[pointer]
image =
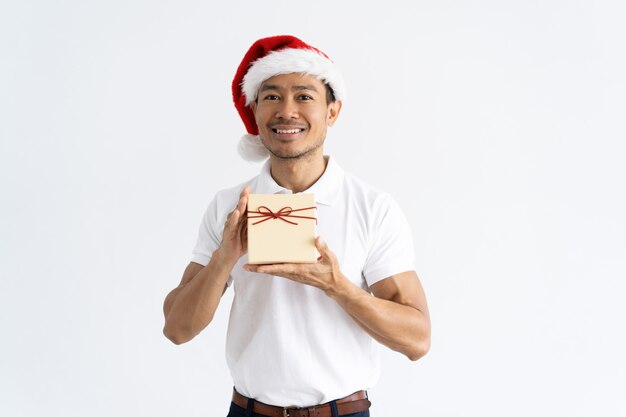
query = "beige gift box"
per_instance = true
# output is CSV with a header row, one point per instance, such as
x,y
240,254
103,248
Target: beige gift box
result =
x,y
281,228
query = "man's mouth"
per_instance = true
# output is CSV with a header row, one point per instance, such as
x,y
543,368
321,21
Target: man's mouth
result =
x,y
287,131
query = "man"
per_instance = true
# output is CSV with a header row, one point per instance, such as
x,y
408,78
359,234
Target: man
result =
x,y
302,338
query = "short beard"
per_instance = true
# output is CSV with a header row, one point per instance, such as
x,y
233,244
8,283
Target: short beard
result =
x,y
304,154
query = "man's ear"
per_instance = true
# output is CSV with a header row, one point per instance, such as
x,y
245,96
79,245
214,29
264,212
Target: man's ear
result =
x,y
253,106
333,112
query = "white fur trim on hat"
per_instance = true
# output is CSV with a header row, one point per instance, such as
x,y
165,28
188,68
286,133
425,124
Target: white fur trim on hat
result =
x,y
286,61
252,149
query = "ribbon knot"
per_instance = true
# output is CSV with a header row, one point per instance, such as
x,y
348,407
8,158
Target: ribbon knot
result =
x,y
266,213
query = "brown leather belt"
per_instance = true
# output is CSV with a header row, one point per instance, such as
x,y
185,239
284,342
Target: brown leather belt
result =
x,y
354,403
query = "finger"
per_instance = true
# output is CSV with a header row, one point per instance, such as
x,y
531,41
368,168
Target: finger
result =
x,y
322,247
279,269
243,235
265,269
233,219
243,199
325,253
270,270
243,229
241,203
240,206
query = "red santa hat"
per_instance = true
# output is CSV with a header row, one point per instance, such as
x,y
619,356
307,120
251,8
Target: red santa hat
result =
x,y
266,58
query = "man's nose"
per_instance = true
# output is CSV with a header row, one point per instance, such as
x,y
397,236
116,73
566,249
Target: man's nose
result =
x,y
287,109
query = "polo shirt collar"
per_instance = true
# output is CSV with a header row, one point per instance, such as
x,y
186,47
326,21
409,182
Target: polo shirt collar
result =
x,y
326,188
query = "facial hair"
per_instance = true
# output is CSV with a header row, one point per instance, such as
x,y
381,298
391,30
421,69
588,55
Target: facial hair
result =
x,y
302,154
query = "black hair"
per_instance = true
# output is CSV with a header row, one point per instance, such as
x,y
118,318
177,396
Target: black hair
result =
x,y
330,94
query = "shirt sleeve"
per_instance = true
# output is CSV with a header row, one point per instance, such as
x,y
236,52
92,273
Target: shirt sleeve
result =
x,y
391,244
209,237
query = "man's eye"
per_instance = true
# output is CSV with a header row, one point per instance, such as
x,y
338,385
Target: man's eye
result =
x,y
270,97
305,97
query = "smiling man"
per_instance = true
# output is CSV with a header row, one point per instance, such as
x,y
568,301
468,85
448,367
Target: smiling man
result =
x,y
296,128
303,339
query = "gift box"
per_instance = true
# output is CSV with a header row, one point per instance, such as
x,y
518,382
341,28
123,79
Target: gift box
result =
x,y
281,228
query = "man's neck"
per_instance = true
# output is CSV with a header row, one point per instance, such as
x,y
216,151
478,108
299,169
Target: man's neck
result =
x,y
297,174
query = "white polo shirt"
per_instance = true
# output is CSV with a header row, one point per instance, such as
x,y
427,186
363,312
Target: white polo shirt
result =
x,y
288,344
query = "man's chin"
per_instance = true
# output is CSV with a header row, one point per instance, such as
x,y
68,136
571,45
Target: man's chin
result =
x,y
289,155
292,153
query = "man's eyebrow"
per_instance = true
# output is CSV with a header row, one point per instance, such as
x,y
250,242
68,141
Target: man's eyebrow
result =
x,y
266,87
304,87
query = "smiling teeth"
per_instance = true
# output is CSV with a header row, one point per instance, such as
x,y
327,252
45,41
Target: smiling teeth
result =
x,y
289,131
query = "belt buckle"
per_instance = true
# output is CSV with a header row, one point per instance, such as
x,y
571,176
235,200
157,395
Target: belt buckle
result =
x,y
310,411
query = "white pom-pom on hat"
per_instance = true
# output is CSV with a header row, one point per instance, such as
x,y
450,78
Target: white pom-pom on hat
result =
x,y
250,148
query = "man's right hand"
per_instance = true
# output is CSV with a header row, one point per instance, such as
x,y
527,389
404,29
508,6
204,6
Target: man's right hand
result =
x,y
235,237
190,307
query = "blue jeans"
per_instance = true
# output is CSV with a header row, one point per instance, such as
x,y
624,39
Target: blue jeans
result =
x,y
236,411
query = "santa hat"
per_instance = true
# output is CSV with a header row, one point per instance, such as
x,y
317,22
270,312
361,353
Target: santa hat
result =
x,y
266,58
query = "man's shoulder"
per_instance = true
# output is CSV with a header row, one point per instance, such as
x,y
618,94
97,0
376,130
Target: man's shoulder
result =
x,y
357,183
226,198
363,192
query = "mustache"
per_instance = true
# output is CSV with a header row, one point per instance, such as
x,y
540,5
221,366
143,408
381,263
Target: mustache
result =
x,y
288,123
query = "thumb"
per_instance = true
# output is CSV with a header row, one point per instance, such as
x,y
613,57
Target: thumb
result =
x,y
322,248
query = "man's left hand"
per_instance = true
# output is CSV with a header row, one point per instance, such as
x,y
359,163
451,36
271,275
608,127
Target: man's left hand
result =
x,y
324,274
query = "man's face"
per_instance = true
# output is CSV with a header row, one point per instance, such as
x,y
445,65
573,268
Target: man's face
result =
x,y
292,115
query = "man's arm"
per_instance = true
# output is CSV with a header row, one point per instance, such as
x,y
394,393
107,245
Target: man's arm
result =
x,y
190,307
396,315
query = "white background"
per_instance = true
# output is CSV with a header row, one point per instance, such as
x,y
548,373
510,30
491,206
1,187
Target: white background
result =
x,y
497,125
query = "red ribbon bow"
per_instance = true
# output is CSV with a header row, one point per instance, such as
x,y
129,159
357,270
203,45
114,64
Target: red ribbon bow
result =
x,y
266,214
